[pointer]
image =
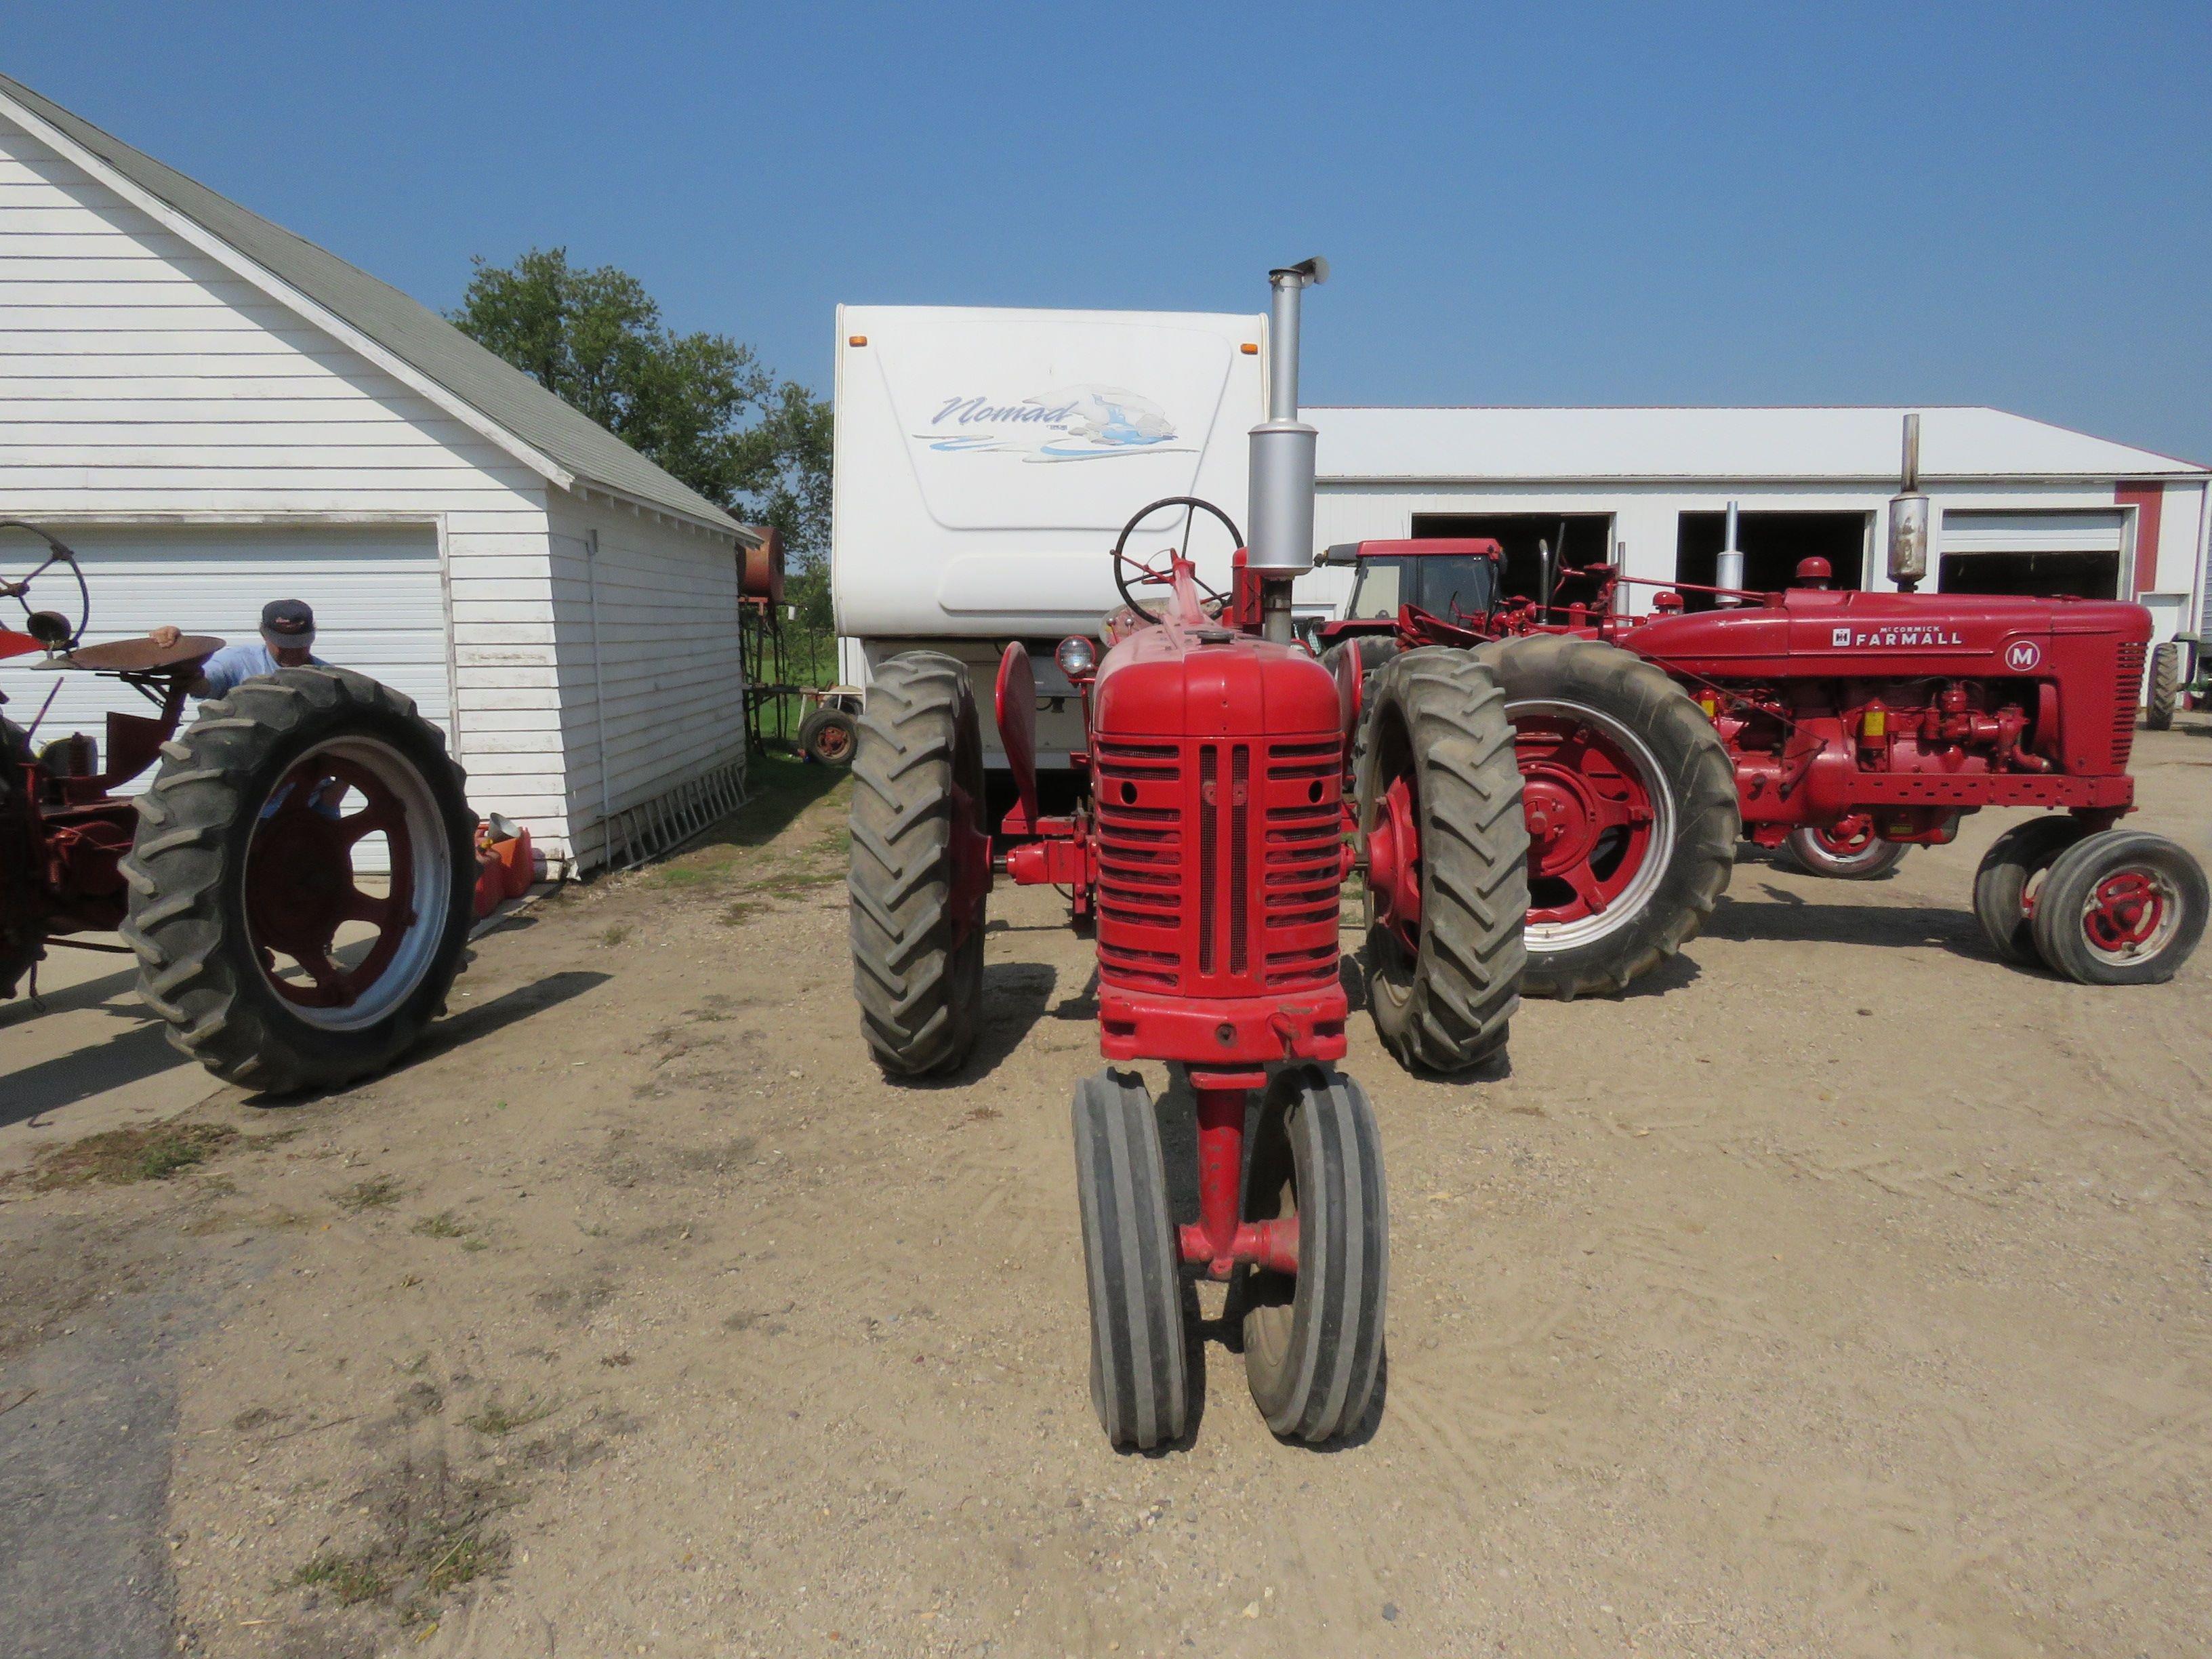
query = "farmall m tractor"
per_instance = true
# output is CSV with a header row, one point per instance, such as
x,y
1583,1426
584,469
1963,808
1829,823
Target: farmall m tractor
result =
x,y
1206,851
1846,726
237,877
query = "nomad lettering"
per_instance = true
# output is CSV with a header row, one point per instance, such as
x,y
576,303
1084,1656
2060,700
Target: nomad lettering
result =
x,y
968,411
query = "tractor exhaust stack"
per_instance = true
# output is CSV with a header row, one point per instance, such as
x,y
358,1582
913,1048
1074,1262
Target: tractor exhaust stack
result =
x,y
1729,572
1282,466
1909,517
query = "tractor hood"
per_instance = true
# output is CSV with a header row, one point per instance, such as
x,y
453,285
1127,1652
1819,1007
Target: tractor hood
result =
x,y
1882,634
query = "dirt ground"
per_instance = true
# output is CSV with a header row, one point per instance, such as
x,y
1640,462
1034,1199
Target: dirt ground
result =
x,y
1842,1291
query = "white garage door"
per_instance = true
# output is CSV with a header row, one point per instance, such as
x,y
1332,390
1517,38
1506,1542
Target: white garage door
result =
x,y
379,601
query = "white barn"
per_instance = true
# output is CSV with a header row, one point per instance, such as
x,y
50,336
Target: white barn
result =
x,y
216,412
2020,506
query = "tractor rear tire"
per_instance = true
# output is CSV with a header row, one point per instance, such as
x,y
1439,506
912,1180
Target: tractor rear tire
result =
x,y
1627,717
2164,693
826,737
917,792
1442,996
22,921
1140,1371
222,847
1314,1342
2008,870
2121,908
1814,853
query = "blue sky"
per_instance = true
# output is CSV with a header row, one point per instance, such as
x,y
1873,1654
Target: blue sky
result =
x,y
1526,204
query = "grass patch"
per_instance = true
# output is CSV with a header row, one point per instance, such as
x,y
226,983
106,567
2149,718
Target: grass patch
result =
x,y
352,1579
497,1418
475,1242
118,1157
444,1224
378,1193
615,935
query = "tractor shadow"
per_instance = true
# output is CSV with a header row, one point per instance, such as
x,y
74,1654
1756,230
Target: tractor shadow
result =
x,y
779,788
1785,918
1016,996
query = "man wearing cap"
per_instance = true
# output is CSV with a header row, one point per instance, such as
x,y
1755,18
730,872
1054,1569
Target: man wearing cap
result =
x,y
287,638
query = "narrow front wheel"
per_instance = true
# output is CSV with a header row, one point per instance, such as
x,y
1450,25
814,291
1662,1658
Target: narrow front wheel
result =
x,y
2121,907
1139,1377
1313,1340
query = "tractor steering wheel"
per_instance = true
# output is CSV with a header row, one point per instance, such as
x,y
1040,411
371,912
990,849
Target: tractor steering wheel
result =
x,y
49,627
1149,576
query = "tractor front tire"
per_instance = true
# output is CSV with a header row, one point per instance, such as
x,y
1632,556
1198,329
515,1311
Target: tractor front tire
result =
x,y
828,736
2008,870
1856,857
1313,1341
241,852
1444,972
1139,1371
1632,811
2164,694
917,803
2121,908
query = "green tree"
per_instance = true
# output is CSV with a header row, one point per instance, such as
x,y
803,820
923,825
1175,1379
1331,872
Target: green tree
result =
x,y
703,405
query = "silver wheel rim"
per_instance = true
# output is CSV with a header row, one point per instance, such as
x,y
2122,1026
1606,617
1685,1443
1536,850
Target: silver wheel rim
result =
x,y
432,885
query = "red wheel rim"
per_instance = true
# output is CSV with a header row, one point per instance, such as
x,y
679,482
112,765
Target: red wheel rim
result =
x,y
832,741
1847,838
1596,832
2126,912
1394,863
301,885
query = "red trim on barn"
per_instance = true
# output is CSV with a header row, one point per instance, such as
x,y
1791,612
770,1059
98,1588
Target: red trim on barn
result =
x,y
2150,502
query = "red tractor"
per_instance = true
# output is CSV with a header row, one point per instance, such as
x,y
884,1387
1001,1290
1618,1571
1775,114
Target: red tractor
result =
x,y
242,878
1844,726
1206,851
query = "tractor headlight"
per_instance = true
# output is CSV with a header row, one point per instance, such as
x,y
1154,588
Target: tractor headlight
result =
x,y
1077,658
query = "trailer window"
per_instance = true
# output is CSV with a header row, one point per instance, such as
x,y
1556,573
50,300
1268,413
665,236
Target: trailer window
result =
x,y
1381,583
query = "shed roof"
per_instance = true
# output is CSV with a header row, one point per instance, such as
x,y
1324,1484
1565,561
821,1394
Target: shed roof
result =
x,y
1859,445
410,330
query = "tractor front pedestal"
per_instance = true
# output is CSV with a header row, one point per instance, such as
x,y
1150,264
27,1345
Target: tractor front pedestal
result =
x,y
1221,1240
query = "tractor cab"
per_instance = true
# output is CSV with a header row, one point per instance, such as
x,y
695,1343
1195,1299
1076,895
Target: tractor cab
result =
x,y
1446,578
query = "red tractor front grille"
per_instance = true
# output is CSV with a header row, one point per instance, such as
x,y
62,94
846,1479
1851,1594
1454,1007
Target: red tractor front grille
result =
x,y
2129,684
1218,863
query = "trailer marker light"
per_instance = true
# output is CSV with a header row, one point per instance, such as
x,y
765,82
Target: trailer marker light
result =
x,y
1249,350
856,340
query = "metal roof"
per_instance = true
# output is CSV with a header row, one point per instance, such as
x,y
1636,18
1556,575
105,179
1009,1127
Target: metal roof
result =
x,y
1800,445
510,399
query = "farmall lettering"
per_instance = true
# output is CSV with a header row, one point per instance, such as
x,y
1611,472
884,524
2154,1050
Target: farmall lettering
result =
x,y
1897,637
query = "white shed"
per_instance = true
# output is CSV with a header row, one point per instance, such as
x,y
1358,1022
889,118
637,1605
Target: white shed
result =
x,y
2021,505
215,412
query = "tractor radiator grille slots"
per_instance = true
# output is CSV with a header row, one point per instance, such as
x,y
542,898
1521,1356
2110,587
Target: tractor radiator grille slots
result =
x,y
2130,686
1218,865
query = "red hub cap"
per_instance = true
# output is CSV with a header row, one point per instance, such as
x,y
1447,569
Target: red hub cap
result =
x,y
832,741
1846,838
1592,824
2124,912
301,888
1394,863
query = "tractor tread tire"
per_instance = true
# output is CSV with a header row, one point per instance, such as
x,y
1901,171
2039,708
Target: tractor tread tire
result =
x,y
1708,824
2164,693
186,869
1140,1367
1314,1375
1453,1007
2015,859
919,982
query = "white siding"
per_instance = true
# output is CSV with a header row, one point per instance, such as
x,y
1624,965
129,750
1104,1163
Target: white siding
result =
x,y
143,383
666,641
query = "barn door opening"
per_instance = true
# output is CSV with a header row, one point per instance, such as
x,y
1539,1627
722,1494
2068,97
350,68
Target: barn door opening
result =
x,y
1586,537
1772,544
2042,554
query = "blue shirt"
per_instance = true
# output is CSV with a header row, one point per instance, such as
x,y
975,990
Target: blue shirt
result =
x,y
235,663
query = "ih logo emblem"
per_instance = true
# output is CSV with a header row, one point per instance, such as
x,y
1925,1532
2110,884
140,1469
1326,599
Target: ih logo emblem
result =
x,y
2022,655
1839,636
